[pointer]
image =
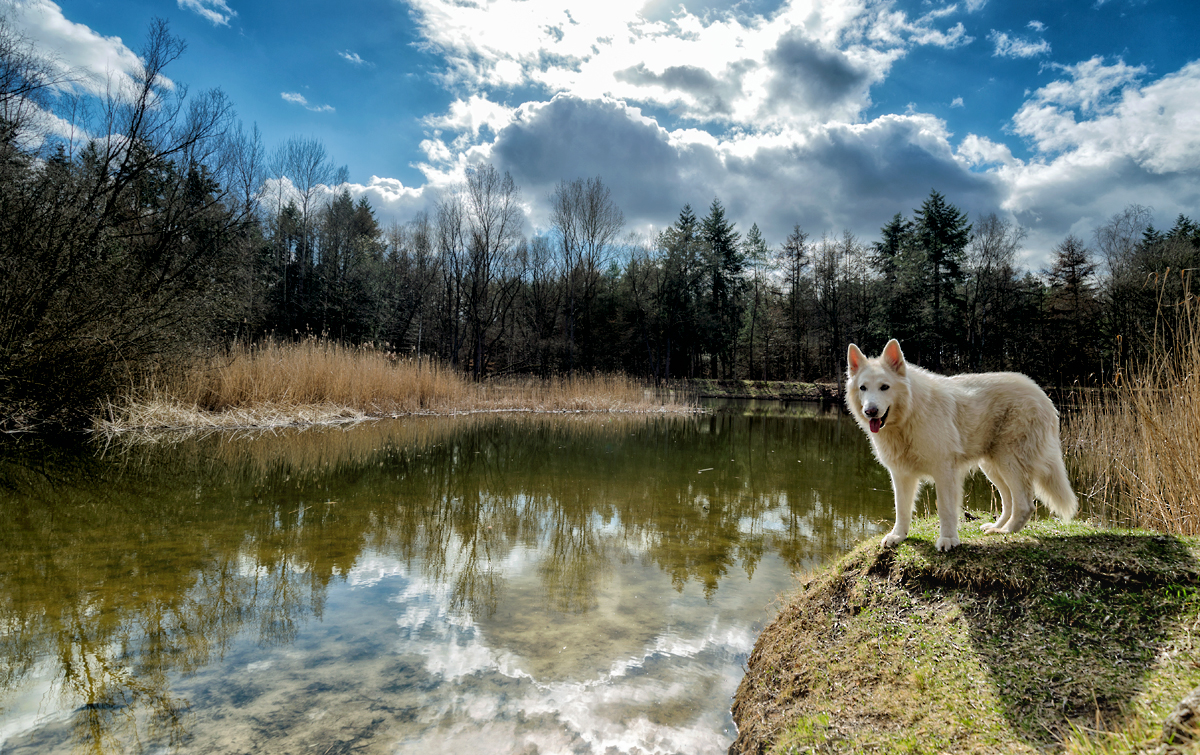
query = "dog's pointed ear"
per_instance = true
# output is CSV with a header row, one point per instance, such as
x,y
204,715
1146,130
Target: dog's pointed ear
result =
x,y
893,357
855,359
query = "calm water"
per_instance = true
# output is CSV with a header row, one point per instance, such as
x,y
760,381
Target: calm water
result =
x,y
498,584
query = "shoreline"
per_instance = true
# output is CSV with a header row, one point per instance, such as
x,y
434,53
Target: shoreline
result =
x,y
1064,636
764,390
267,417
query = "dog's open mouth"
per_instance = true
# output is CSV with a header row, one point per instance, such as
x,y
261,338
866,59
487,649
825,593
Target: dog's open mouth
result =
x,y
877,422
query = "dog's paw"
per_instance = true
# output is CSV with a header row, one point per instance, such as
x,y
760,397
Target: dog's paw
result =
x,y
946,543
991,528
893,539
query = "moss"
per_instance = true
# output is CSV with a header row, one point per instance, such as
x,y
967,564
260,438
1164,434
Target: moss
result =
x,y
1063,637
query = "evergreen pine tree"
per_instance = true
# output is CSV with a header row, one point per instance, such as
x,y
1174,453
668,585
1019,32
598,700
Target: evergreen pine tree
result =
x,y
725,263
942,231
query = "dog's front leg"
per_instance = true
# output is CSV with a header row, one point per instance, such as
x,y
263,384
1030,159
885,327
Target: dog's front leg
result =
x,y
949,501
905,488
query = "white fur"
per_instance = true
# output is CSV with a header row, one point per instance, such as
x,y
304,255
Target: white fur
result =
x,y
940,428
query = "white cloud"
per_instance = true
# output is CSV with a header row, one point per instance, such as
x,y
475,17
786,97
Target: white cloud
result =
x,y
808,60
1093,86
470,115
957,102
1157,125
354,58
974,5
75,47
298,99
1101,141
955,36
217,12
1016,47
1037,26
392,199
981,151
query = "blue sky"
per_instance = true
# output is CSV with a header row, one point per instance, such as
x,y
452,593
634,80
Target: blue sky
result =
x,y
833,115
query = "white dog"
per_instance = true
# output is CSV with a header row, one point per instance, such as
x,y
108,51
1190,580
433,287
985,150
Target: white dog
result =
x,y
925,426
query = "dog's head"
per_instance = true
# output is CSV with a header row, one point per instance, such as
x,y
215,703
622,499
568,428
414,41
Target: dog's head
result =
x,y
876,389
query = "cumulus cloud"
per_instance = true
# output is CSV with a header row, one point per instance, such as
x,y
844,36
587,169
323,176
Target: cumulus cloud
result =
x,y
1005,46
866,172
472,114
76,48
217,12
570,137
392,199
1101,140
298,99
978,151
707,93
808,77
1092,86
719,67
1157,125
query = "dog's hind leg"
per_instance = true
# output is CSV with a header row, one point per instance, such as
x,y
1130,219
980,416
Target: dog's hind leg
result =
x,y
992,472
905,488
1021,490
949,503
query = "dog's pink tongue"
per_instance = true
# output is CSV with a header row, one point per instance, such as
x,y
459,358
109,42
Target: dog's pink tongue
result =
x,y
876,423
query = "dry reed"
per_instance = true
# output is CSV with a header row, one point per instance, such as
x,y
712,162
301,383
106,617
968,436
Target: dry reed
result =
x,y
1136,443
274,384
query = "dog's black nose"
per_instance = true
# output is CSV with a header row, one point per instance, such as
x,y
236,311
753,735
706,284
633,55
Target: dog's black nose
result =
x,y
871,411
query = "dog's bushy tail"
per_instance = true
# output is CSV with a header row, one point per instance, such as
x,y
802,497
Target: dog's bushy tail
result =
x,y
1054,490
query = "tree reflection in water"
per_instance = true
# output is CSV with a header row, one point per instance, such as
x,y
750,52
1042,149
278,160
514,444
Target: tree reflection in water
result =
x,y
123,570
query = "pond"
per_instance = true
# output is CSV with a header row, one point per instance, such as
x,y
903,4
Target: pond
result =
x,y
495,583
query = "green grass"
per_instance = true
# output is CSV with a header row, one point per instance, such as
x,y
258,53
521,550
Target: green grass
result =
x,y
1061,638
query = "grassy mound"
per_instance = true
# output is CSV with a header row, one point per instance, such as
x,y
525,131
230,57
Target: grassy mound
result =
x,y
1061,638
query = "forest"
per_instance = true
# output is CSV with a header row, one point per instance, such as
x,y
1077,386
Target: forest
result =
x,y
143,227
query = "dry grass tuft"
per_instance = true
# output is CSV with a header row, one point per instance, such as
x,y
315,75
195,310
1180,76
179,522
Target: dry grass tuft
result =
x,y
276,384
1137,444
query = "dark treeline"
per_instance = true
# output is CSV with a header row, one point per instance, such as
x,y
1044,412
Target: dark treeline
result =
x,y
177,230
702,300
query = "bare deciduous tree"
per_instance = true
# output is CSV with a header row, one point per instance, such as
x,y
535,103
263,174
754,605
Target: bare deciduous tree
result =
x,y
991,270
587,221
118,257
304,162
493,220
1118,239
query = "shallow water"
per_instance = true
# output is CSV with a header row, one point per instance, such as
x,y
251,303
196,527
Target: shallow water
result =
x,y
585,584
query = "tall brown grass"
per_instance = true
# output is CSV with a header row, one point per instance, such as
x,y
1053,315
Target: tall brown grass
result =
x,y
1137,443
317,380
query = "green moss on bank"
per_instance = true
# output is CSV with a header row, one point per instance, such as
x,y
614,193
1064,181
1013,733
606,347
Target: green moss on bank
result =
x,y
1061,638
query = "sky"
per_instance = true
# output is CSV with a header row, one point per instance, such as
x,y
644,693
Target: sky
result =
x,y
831,114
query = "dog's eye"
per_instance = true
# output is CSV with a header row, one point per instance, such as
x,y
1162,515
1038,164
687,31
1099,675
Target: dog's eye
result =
x,y
884,387
862,387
